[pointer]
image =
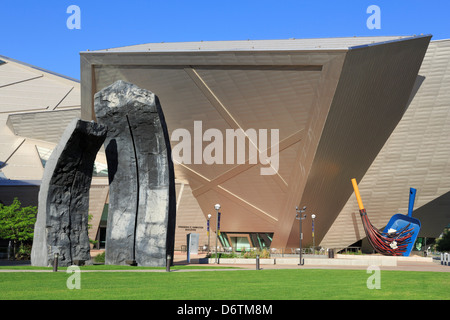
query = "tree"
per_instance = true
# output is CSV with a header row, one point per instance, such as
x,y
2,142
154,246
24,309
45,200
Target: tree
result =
x,y
17,223
443,243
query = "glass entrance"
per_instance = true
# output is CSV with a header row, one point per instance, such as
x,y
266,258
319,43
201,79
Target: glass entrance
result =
x,y
240,243
243,241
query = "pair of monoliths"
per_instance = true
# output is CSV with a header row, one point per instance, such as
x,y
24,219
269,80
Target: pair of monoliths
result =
x,y
142,208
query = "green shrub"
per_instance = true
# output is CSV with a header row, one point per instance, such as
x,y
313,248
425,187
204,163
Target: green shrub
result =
x,y
263,254
17,225
443,243
100,258
24,252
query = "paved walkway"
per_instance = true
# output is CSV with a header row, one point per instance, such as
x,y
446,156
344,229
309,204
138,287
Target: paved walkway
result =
x,y
418,266
402,266
180,259
434,266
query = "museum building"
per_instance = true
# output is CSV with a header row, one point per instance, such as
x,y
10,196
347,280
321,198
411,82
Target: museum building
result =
x,y
371,108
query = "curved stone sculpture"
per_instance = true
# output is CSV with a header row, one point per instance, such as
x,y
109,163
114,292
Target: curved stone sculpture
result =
x,y
62,221
142,208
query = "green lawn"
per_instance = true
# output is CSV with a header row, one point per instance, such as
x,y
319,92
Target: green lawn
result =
x,y
285,284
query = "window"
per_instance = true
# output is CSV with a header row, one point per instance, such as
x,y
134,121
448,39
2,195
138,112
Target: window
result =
x,y
100,169
239,241
44,154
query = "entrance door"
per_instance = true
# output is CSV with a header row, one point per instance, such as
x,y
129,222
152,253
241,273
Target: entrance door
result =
x,y
240,242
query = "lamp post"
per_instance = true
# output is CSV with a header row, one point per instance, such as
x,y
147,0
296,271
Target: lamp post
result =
x,y
299,217
313,216
217,207
209,248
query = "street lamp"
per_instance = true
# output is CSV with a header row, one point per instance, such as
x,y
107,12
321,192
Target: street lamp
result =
x,y
217,207
209,218
313,216
299,217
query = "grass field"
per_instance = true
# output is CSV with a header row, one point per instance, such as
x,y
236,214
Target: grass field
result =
x,y
296,284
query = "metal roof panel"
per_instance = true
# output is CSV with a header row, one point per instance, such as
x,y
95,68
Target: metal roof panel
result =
x,y
342,43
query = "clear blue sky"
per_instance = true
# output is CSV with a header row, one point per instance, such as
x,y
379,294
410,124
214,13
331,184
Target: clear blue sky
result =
x,y
35,32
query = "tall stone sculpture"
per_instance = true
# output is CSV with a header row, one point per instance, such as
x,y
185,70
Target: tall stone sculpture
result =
x,y
62,220
142,208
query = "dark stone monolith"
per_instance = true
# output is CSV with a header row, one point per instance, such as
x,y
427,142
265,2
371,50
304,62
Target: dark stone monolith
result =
x,y
62,221
142,208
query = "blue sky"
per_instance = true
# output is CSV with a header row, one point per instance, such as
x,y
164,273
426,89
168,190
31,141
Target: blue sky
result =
x,y
35,32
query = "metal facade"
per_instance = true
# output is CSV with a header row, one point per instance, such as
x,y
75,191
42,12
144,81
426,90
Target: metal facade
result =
x,y
415,155
335,103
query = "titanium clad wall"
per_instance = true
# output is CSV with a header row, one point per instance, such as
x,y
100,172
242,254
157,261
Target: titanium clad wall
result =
x,y
416,155
434,216
334,109
190,218
264,90
373,91
90,61
11,74
47,126
41,93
